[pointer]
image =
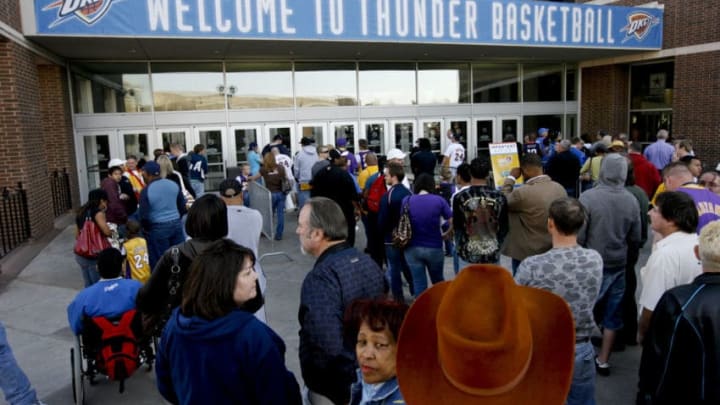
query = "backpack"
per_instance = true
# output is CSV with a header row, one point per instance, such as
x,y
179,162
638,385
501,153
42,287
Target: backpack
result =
x,y
118,356
374,193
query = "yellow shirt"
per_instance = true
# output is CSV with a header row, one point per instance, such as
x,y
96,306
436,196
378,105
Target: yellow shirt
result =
x,y
137,258
365,174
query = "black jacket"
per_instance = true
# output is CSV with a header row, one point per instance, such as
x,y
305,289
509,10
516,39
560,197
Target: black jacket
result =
x,y
681,353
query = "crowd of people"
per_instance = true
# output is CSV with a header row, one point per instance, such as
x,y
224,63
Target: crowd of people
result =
x,y
572,218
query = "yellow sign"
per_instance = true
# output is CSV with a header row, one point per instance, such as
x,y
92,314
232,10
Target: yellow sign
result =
x,y
503,157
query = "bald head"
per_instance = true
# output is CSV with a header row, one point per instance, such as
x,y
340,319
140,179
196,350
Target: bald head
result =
x,y
675,175
371,159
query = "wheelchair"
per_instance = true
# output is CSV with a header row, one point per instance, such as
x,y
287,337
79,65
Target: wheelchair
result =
x,y
86,362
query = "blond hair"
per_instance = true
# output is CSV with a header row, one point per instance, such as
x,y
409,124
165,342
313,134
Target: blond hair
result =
x,y
165,164
709,247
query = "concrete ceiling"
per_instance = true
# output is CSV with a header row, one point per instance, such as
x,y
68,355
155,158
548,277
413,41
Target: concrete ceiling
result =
x,y
86,48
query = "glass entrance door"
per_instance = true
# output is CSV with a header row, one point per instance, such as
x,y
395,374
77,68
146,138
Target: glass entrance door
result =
x,y
135,143
169,136
287,134
242,138
312,130
96,150
212,139
432,131
509,126
484,136
344,130
374,132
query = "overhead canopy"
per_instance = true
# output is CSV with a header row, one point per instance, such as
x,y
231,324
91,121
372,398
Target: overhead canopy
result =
x,y
379,29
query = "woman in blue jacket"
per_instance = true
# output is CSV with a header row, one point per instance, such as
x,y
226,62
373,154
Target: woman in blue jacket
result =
x,y
213,349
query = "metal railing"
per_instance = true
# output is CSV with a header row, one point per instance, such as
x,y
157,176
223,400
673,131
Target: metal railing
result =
x,y
60,186
14,218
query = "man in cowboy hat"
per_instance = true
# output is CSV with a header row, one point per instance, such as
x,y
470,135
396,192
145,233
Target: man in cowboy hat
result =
x,y
574,273
482,339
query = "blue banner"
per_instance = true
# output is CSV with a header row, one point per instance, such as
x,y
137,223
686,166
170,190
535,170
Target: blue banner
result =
x,y
484,22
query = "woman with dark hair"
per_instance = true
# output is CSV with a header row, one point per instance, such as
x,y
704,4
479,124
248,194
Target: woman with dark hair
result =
x,y
273,175
213,349
424,160
375,325
206,223
425,250
93,209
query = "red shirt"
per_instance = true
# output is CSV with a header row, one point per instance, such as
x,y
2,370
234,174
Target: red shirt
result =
x,y
647,176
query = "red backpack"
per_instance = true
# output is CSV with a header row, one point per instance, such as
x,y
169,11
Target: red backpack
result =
x,y
118,356
374,193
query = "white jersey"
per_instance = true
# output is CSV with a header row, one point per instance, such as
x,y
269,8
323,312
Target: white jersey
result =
x,y
456,154
286,162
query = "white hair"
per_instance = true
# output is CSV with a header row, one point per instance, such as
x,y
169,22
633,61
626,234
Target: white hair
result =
x,y
709,246
662,134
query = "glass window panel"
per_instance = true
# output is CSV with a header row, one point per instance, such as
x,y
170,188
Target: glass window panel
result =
x,y
460,131
532,123
243,138
136,144
432,130
652,86
259,85
509,127
443,83
484,137
542,82
212,139
387,83
116,87
571,126
346,131
169,137
495,83
645,124
570,83
188,86
285,133
325,84
375,135
97,156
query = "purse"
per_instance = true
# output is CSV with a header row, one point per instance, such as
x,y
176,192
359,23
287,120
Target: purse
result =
x,y
90,241
286,186
402,233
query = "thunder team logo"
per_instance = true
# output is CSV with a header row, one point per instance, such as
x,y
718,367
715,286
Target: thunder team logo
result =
x,y
639,25
87,11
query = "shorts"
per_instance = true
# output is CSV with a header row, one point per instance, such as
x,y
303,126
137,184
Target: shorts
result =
x,y
611,295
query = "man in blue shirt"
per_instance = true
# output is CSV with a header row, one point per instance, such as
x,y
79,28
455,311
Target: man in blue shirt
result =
x,y
660,153
110,297
161,206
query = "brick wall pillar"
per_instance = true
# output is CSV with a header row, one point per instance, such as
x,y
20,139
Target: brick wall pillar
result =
x,y
57,126
22,148
604,103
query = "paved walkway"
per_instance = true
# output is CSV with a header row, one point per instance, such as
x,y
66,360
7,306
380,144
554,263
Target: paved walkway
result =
x,y
33,305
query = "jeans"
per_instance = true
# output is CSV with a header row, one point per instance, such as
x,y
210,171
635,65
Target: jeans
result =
x,y
13,381
628,333
421,258
199,188
395,263
278,207
246,198
160,237
582,388
611,295
89,270
515,265
302,197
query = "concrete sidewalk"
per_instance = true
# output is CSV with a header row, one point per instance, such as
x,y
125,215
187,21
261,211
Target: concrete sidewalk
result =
x,y
33,305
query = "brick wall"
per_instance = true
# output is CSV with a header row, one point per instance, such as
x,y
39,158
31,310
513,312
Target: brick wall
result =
x,y
604,103
10,13
696,103
57,123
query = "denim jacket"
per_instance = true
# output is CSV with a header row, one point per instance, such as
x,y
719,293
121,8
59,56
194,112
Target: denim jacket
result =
x,y
388,394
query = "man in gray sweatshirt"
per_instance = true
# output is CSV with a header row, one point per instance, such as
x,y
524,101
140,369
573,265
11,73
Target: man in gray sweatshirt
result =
x,y
304,161
613,222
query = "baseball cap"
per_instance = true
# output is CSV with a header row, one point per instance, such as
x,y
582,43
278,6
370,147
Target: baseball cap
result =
x,y
341,142
115,162
152,168
305,141
334,154
395,153
542,131
252,145
230,188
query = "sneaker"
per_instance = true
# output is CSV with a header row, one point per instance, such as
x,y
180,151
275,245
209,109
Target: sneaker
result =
x,y
602,369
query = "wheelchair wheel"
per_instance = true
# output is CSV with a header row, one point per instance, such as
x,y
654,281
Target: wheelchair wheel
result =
x,y
78,383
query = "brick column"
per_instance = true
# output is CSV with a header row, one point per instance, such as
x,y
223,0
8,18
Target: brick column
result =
x,y
604,103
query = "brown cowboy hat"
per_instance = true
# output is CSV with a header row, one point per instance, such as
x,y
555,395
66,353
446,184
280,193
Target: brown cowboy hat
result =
x,y
482,339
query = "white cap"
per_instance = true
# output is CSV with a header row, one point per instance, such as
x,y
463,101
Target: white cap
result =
x,y
395,153
115,162
717,168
